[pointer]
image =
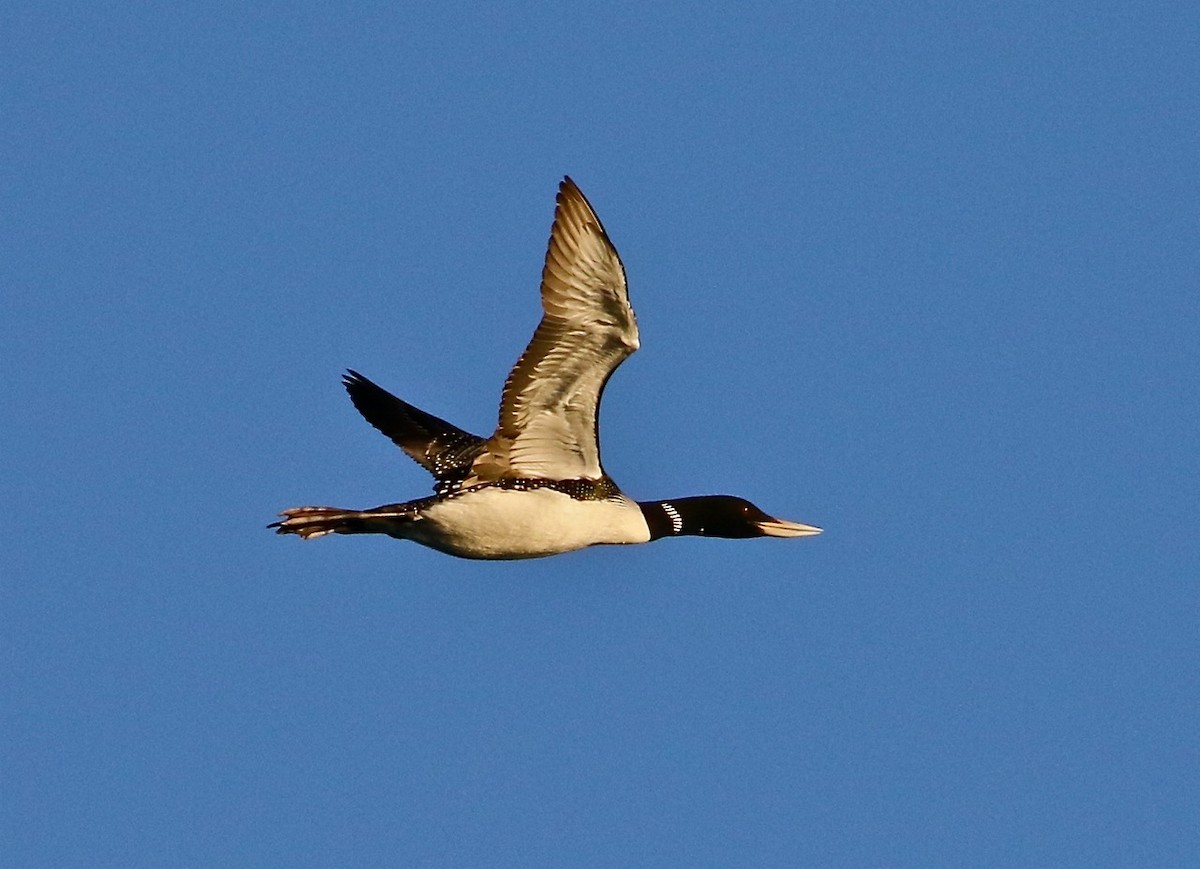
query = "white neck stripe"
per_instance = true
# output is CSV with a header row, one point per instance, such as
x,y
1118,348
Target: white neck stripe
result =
x,y
673,515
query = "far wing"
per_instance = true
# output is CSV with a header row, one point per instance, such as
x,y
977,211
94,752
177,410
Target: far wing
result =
x,y
444,450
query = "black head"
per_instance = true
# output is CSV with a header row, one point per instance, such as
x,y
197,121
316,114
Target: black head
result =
x,y
717,516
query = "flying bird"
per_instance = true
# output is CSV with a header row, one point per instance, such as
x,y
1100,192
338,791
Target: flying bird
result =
x,y
536,487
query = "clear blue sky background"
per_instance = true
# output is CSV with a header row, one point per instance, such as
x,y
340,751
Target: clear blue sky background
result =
x,y
924,274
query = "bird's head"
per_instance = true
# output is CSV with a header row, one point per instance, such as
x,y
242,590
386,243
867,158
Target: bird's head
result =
x,y
717,516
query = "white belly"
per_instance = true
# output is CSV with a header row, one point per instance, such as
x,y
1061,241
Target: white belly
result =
x,y
504,523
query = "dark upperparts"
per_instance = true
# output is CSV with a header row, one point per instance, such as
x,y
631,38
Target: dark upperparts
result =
x,y
716,516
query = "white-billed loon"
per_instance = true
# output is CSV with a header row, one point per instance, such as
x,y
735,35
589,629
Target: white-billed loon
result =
x,y
536,486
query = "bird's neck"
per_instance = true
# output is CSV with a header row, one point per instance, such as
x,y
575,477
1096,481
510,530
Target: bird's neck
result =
x,y
666,518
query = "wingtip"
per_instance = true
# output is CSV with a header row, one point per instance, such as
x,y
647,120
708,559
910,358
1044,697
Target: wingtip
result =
x,y
352,378
571,200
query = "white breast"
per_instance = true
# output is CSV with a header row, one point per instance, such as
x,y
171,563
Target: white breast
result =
x,y
506,523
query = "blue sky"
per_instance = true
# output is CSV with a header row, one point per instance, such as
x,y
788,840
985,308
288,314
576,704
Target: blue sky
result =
x,y
922,274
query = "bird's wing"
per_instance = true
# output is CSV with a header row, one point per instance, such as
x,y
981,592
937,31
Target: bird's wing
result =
x,y
548,411
444,450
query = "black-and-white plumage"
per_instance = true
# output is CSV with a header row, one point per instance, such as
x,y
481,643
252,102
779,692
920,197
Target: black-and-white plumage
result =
x,y
536,486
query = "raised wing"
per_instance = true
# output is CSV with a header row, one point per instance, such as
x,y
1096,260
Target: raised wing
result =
x,y
444,450
548,412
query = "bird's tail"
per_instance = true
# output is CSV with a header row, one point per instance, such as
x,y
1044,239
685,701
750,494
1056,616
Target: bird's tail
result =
x,y
317,521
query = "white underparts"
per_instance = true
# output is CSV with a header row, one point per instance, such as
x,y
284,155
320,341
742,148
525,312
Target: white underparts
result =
x,y
506,523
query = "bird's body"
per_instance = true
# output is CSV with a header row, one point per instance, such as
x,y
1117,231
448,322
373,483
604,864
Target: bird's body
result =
x,y
493,522
536,486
